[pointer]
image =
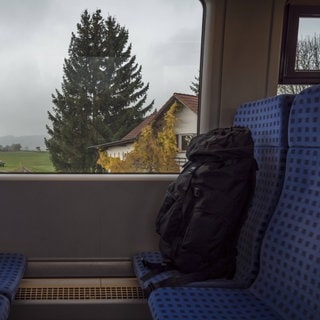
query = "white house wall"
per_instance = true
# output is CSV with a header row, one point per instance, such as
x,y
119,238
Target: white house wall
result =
x,y
119,151
186,121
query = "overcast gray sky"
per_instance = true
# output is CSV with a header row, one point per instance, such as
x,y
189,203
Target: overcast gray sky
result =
x,y
35,36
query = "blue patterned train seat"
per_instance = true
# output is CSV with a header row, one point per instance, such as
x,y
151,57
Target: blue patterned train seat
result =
x,y
4,307
288,282
12,268
268,121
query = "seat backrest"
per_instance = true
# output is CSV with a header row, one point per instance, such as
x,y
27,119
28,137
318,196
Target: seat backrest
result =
x,y
289,275
268,121
12,269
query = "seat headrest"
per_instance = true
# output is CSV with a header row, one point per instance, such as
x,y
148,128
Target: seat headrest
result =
x,y
267,119
304,121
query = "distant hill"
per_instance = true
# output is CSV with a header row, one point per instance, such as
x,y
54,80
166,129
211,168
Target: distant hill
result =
x,y
27,142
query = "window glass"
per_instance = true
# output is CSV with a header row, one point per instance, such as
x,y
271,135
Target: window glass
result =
x,y
184,141
308,45
87,85
300,54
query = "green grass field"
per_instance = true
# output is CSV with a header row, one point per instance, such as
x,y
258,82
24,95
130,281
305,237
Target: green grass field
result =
x,y
30,161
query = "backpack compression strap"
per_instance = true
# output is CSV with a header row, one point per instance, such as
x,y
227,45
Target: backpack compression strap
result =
x,y
203,274
156,268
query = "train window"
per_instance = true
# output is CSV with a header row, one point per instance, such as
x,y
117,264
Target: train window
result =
x,y
82,82
300,58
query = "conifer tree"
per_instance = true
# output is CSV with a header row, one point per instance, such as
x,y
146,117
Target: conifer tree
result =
x,y
102,95
195,87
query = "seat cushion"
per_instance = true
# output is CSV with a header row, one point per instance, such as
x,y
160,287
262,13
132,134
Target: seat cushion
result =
x,y
208,303
4,307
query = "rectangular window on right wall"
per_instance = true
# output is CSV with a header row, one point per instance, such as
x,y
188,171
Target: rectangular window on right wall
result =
x,y
300,55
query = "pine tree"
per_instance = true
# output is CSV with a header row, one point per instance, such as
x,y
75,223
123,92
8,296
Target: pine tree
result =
x,y
102,96
195,86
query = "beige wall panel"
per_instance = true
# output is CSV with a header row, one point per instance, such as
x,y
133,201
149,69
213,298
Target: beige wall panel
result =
x,y
246,51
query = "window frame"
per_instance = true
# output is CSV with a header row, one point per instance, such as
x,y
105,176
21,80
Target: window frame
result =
x,y
179,138
288,74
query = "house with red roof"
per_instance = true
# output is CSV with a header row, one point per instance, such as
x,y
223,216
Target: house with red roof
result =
x,y
185,129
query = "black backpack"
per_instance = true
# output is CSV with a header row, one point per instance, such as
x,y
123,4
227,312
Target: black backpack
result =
x,y
200,219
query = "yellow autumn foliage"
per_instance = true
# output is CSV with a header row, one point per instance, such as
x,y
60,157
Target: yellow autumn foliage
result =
x,y
110,164
167,142
154,150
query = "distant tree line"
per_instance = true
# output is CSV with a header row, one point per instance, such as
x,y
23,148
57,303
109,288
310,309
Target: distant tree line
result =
x,y
13,147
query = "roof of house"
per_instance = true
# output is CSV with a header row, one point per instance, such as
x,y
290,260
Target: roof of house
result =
x,y
137,130
188,100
